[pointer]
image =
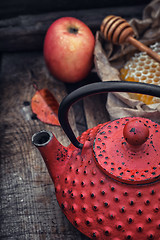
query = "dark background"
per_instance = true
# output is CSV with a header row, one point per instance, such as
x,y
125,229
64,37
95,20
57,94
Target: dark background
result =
x,y
12,8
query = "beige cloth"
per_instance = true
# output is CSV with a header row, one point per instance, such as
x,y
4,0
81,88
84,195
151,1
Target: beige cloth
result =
x,y
109,58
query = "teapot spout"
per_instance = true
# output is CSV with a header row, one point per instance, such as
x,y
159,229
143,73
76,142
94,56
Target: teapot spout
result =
x,y
53,152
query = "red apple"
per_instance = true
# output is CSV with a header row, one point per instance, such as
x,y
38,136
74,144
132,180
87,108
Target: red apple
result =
x,y
68,49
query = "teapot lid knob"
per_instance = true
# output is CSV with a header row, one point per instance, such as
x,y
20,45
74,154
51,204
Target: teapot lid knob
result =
x,y
135,132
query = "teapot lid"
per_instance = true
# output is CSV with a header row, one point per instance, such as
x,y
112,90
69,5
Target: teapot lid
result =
x,y
128,150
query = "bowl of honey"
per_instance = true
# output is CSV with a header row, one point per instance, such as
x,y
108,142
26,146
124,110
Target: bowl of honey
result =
x,y
144,69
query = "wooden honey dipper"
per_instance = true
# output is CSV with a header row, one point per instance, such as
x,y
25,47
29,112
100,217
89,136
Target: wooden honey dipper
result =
x,y
117,30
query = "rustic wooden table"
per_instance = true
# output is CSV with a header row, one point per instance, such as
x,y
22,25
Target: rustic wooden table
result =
x,y
29,209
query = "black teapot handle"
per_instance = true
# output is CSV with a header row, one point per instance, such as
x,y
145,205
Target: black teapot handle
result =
x,y
96,88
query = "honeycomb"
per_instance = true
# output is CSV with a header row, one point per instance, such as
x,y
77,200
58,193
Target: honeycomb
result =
x,y
142,68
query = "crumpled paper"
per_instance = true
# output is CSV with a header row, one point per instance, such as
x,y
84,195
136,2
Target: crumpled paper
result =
x,y
109,58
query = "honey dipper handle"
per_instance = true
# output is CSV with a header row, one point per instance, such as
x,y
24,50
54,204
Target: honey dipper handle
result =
x,y
144,48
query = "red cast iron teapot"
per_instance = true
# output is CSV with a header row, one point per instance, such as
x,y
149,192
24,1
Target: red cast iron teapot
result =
x,y
107,181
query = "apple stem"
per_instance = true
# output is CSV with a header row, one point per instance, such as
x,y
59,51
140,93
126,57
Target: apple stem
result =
x,y
73,30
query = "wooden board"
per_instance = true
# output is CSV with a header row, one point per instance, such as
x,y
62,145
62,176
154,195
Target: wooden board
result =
x,y
26,32
29,209
10,8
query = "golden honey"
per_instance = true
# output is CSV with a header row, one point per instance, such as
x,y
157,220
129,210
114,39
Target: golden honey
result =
x,y
142,68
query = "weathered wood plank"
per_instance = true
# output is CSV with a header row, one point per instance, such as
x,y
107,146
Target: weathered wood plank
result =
x,y
95,111
27,32
29,209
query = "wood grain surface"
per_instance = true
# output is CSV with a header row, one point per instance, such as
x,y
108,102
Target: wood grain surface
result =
x,y
29,209
28,206
26,32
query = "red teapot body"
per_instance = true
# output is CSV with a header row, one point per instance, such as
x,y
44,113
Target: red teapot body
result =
x,y
107,181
